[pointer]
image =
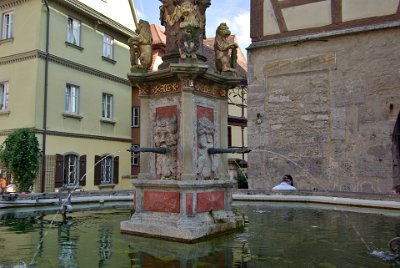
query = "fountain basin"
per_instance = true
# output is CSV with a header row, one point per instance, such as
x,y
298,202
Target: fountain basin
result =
x,y
185,211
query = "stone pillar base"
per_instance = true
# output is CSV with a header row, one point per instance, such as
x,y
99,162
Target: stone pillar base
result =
x,y
185,211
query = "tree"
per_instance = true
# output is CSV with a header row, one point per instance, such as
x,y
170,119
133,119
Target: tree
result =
x,y
20,153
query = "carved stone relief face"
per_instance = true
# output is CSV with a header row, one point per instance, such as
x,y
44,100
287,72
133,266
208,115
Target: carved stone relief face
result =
x,y
205,131
165,132
165,135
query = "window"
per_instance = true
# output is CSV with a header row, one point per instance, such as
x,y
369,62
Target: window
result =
x,y
73,31
106,170
72,99
135,116
70,170
4,96
107,110
108,46
135,156
7,25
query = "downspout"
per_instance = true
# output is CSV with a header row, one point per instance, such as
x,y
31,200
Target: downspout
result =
x,y
46,78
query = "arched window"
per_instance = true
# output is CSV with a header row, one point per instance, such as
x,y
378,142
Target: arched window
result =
x,y
106,170
71,169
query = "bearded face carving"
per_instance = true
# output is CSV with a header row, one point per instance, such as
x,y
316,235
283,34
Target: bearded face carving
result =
x,y
166,136
206,165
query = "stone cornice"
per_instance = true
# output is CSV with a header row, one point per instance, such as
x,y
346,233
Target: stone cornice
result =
x,y
18,57
6,4
89,12
184,72
6,132
67,63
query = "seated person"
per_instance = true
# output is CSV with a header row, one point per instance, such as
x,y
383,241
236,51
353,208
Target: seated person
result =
x,y
396,189
286,184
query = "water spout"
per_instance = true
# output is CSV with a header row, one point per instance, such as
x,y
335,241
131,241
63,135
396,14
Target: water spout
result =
x,y
239,150
156,150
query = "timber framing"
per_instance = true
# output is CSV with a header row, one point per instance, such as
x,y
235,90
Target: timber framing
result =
x,y
293,3
279,16
34,54
336,10
256,18
337,23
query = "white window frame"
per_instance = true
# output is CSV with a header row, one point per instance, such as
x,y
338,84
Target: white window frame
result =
x,y
135,116
71,169
107,169
72,93
4,87
107,106
108,46
135,156
7,25
74,31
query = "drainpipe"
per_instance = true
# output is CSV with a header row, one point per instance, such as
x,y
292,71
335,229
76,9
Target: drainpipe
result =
x,y
46,78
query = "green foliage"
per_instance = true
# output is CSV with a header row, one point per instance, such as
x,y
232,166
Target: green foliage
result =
x,y
242,180
20,153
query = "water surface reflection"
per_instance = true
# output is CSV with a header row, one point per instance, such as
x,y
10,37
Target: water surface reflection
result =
x,y
278,235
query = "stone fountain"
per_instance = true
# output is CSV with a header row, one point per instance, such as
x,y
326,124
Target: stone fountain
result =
x,y
183,191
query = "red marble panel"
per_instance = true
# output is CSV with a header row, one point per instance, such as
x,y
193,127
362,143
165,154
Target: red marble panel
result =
x,y
189,203
205,112
162,201
207,201
166,111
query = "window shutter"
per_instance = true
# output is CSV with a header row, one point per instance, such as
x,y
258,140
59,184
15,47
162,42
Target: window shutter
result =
x,y
116,169
82,170
59,176
97,170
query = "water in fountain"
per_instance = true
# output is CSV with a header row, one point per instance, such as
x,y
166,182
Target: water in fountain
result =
x,y
386,255
63,204
279,235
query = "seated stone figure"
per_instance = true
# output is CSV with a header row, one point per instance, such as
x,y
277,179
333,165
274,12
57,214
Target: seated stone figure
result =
x,y
140,47
225,51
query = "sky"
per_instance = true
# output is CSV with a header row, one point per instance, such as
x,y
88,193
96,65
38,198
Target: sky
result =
x,y
236,13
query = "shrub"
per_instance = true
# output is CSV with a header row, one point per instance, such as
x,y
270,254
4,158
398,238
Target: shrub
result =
x,y
20,153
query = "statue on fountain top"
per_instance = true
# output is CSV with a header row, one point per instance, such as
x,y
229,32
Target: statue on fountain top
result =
x,y
184,22
225,50
141,47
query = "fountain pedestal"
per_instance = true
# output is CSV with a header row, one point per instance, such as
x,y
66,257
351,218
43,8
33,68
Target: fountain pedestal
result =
x,y
182,210
184,194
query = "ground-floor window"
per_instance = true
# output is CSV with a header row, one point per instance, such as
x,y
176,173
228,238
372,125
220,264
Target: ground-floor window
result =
x,y
106,169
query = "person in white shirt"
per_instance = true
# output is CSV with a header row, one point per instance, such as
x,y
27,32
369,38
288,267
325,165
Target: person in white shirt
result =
x,y
286,184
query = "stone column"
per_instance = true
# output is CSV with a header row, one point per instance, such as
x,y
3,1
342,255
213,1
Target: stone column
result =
x,y
222,123
187,130
145,137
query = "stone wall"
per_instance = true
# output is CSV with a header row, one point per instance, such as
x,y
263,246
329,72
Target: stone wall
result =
x,y
328,108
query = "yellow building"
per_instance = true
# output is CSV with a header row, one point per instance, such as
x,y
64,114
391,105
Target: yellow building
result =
x,y
63,69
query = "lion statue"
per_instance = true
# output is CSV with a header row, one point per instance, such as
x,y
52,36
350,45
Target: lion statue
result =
x,y
225,51
140,46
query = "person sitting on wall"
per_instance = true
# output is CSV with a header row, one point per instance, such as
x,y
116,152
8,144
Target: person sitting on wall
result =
x,y
396,189
286,184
